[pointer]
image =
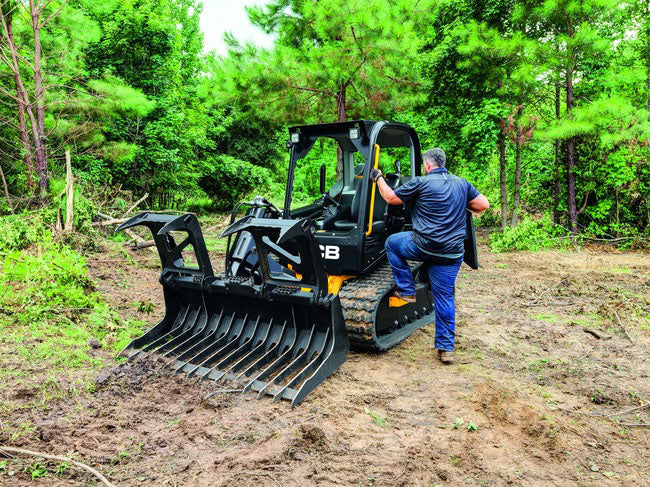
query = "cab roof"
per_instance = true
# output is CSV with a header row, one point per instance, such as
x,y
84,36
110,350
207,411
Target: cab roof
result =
x,y
391,134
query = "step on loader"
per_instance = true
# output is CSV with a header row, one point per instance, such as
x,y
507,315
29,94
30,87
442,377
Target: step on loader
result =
x,y
300,286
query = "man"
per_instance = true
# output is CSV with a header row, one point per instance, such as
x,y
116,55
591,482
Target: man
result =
x,y
438,217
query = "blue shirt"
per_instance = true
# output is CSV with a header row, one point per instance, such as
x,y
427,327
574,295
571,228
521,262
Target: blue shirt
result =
x,y
438,216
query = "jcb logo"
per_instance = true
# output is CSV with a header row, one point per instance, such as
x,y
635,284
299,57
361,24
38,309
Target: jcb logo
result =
x,y
330,252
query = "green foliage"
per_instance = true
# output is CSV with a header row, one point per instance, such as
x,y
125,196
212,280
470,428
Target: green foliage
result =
x,y
20,231
228,180
62,469
356,56
36,471
117,97
48,306
530,234
131,92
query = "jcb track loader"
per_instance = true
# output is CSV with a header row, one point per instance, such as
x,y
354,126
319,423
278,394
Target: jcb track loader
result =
x,y
301,286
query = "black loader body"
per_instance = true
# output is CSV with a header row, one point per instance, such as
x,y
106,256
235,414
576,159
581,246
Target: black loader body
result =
x,y
300,286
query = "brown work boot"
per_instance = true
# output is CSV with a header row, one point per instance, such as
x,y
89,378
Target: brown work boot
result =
x,y
408,299
446,357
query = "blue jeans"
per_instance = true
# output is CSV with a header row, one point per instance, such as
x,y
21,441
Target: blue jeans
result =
x,y
400,247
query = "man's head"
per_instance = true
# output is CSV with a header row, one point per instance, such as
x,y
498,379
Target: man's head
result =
x,y
433,159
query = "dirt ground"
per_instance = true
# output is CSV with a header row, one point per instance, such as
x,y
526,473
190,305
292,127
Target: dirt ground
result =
x,y
533,398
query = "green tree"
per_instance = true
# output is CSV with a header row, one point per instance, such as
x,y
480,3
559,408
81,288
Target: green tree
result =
x,y
465,103
509,61
154,46
574,39
332,60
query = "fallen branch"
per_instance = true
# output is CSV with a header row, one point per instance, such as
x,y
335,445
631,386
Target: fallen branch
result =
x,y
145,244
626,411
606,415
138,239
146,195
592,333
8,449
620,323
635,424
112,221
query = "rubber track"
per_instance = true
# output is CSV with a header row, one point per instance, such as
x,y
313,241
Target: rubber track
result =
x,y
360,299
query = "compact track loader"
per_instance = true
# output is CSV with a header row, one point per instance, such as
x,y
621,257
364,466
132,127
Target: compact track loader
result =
x,y
300,286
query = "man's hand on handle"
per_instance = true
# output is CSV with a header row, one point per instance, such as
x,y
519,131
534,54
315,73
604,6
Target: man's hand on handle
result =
x,y
384,190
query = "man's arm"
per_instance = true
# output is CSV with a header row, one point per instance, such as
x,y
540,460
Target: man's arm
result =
x,y
387,193
478,204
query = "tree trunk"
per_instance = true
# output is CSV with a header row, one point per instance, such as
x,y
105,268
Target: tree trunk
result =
x,y
557,172
341,116
647,54
24,134
518,143
517,193
571,175
502,175
39,92
6,188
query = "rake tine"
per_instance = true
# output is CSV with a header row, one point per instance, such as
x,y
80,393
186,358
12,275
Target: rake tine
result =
x,y
274,366
188,326
230,343
316,357
324,367
302,351
178,324
152,347
209,348
195,333
266,357
277,362
255,349
247,341
197,346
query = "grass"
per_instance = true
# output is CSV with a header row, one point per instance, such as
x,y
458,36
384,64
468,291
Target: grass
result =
x,y
621,270
548,318
589,320
50,317
377,419
215,244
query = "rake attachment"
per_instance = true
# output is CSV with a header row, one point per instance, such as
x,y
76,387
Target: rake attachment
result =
x,y
269,332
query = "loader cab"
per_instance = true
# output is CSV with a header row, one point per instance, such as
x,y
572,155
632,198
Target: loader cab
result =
x,y
351,219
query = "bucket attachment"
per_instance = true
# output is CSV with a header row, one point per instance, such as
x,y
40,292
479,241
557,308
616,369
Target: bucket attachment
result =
x,y
277,335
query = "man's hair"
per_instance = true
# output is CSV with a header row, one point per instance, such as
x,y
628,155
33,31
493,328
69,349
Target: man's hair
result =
x,y
435,156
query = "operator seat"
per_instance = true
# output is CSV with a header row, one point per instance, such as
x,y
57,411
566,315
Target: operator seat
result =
x,y
379,213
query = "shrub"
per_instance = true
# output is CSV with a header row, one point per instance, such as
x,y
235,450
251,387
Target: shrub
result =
x,y
530,234
228,180
20,231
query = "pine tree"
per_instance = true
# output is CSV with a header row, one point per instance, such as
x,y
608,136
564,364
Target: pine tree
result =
x,y
509,63
573,38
